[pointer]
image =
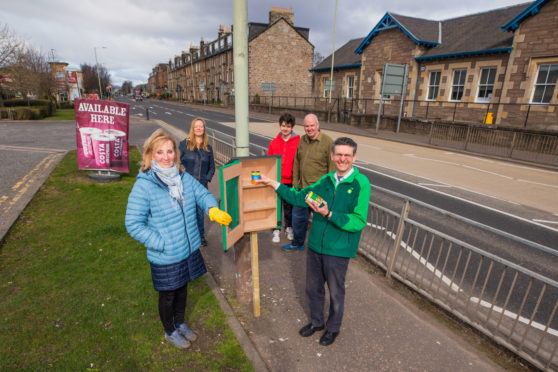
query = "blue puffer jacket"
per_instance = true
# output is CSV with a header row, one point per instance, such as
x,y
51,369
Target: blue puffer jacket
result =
x,y
168,230
199,163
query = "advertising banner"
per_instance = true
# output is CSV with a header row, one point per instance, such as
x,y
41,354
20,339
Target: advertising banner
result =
x,y
102,129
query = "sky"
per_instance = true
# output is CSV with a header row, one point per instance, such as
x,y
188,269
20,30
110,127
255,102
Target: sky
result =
x,y
137,35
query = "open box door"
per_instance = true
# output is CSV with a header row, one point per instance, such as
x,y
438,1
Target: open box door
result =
x,y
253,207
231,194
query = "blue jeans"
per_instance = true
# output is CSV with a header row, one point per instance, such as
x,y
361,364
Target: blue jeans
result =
x,y
300,224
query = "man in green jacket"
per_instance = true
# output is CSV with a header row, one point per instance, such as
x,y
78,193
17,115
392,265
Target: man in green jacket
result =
x,y
312,160
336,228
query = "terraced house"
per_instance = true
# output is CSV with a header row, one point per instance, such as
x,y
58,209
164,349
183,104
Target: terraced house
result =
x,y
496,67
279,53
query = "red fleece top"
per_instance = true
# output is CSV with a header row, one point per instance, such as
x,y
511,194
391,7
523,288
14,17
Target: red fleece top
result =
x,y
287,150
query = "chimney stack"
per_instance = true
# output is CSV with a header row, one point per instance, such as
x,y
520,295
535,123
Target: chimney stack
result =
x,y
277,12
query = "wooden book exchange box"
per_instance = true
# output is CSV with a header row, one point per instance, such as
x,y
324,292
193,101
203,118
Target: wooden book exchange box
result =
x,y
253,207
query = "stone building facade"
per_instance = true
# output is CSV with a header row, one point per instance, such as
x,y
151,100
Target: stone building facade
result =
x,y
496,67
346,73
279,52
158,80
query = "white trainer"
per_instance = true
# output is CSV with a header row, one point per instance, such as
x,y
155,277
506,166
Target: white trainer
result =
x,y
276,238
290,234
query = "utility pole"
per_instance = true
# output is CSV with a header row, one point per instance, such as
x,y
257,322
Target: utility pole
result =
x,y
240,51
332,52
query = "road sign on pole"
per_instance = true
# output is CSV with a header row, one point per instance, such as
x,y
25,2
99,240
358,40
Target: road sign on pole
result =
x,y
394,82
268,87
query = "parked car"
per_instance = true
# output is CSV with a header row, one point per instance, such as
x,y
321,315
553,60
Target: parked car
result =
x,y
139,98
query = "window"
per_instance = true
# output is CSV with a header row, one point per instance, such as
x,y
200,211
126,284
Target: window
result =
x,y
434,85
545,84
326,88
458,84
486,84
350,86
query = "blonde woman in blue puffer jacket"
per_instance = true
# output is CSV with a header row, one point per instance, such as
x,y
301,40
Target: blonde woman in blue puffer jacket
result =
x,y
161,214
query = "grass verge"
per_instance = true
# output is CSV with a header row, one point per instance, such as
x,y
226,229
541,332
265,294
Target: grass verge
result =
x,y
63,114
77,294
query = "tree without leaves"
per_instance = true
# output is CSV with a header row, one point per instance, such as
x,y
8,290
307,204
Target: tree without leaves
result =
x,y
31,73
10,46
127,87
91,80
318,57
26,66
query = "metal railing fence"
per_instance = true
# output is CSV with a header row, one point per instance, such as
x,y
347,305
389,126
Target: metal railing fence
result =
x,y
512,305
459,125
522,115
534,147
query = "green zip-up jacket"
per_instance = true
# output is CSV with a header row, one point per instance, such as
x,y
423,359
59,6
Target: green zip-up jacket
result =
x,y
340,234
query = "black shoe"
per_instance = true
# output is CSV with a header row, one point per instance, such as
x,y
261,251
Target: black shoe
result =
x,y
203,241
328,338
308,330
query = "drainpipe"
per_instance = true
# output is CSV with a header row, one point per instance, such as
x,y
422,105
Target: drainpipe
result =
x,y
416,90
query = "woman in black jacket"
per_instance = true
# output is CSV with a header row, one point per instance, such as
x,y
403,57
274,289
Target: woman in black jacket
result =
x,y
196,155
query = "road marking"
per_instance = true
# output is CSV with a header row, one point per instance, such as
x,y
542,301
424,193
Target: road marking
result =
x,y
545,221
168,113
513,315
435,184
23,185
30,173
34,149
177,132
538,183
504,164
454,287
50,159
485,171
429,159
370,146
471,157
462,199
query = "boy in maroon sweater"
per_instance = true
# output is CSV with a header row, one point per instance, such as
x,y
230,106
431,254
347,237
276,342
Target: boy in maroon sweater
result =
x,y
285,144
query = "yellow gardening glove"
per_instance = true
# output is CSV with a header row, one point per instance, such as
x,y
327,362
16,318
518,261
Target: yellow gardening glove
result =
x,y
217,215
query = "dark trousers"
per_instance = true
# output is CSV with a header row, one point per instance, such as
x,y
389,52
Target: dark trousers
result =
x,y
321,269
172,306
199,217
287,212
300,224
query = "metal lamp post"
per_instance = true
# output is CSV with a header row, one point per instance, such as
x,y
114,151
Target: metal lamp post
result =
x,y
98,75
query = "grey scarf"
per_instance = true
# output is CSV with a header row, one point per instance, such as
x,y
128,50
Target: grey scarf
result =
x,y
171,178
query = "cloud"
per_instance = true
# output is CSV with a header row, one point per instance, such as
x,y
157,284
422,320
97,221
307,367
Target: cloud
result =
x,y
140,34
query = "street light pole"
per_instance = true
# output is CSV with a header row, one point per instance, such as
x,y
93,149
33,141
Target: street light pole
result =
x,y
98,75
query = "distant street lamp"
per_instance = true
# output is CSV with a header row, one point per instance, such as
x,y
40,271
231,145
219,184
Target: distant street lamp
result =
x,y
98,75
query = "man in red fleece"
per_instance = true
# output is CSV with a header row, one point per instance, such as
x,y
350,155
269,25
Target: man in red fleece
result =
x,y
285,144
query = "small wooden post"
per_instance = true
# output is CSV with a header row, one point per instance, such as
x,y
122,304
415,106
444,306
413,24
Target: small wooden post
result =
x,y
255,273
243,270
